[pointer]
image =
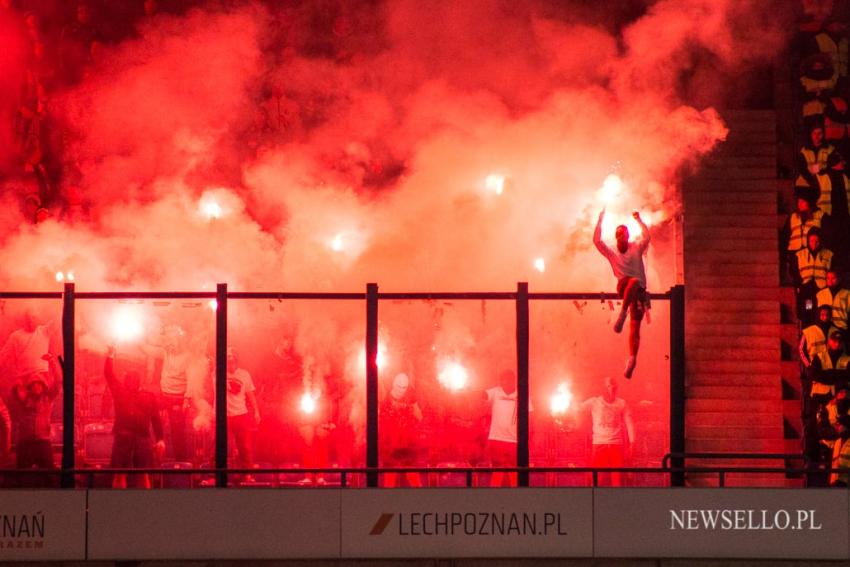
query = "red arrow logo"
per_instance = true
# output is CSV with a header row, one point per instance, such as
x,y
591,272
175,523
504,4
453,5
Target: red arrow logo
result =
x,y
381,524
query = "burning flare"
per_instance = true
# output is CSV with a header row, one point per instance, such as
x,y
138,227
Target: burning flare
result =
x,y
308,403
495,183
453,376
561,400
126,324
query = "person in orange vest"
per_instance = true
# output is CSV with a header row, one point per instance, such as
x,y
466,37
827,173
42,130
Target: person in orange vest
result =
x,y
813,348
793,234
808,273
837,296
812,166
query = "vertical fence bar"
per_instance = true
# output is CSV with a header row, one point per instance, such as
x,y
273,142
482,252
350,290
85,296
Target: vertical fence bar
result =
x,y
68,351
677,382
372,383
522,380
221,385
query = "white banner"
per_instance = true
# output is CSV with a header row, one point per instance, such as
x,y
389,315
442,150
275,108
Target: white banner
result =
x,y
42,525
213,524
715,523
478,522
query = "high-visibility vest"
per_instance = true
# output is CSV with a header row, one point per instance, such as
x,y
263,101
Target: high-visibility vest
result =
x,y
824,297
799,229
814,266
840,308
818,156
815,341
826,364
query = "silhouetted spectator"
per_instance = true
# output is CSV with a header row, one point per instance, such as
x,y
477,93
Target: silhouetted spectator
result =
x,y
75,44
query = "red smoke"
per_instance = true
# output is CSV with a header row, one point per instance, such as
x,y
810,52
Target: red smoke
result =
x,y
361,153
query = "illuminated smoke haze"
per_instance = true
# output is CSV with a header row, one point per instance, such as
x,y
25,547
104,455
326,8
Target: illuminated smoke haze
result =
x,y
449,147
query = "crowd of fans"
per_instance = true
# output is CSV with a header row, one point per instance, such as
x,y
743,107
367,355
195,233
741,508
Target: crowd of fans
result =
x,y
816,238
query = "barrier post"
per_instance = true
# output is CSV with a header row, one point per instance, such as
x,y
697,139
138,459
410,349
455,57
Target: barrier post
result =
x,y
372,383
522,381
677,381
68,385
221,385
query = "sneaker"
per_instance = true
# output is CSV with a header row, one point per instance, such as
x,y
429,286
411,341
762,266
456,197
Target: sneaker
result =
x,y
621,320
630,367
321,481
305,482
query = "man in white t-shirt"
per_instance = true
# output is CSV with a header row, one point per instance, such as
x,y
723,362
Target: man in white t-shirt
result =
x,y
243,413
627,264
502,440
613,429
23,353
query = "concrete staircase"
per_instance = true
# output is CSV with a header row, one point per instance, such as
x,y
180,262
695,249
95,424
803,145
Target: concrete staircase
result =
x,y
734,394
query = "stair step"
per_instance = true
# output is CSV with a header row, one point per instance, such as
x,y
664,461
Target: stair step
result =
x,y
732,330
695,367
731,406
740,191
704,209
741,138
733,341
722,232
736,445
738,116
737,245
731,148
739,172
744,419
745,294
756,280
699,352
739,160
739,433
698,258
733,392
790,370
699,317
735,219
729,379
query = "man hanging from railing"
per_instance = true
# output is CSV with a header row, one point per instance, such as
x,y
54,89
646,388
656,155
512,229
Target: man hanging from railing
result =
x,y
627,264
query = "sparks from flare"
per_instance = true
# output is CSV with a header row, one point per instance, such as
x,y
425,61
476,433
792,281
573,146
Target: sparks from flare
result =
x,y
60,277
561,400
453,376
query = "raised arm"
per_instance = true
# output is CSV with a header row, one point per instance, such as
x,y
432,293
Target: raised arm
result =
x,y
109,369
597,235
644,231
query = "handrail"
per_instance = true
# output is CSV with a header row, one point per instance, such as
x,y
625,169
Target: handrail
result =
x,y
346,472
469,295
744,456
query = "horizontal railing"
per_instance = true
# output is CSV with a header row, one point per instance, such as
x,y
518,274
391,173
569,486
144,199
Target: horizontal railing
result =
x,y
470,473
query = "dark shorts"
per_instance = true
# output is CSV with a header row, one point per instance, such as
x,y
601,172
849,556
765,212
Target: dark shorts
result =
x,y
131,451
641,303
